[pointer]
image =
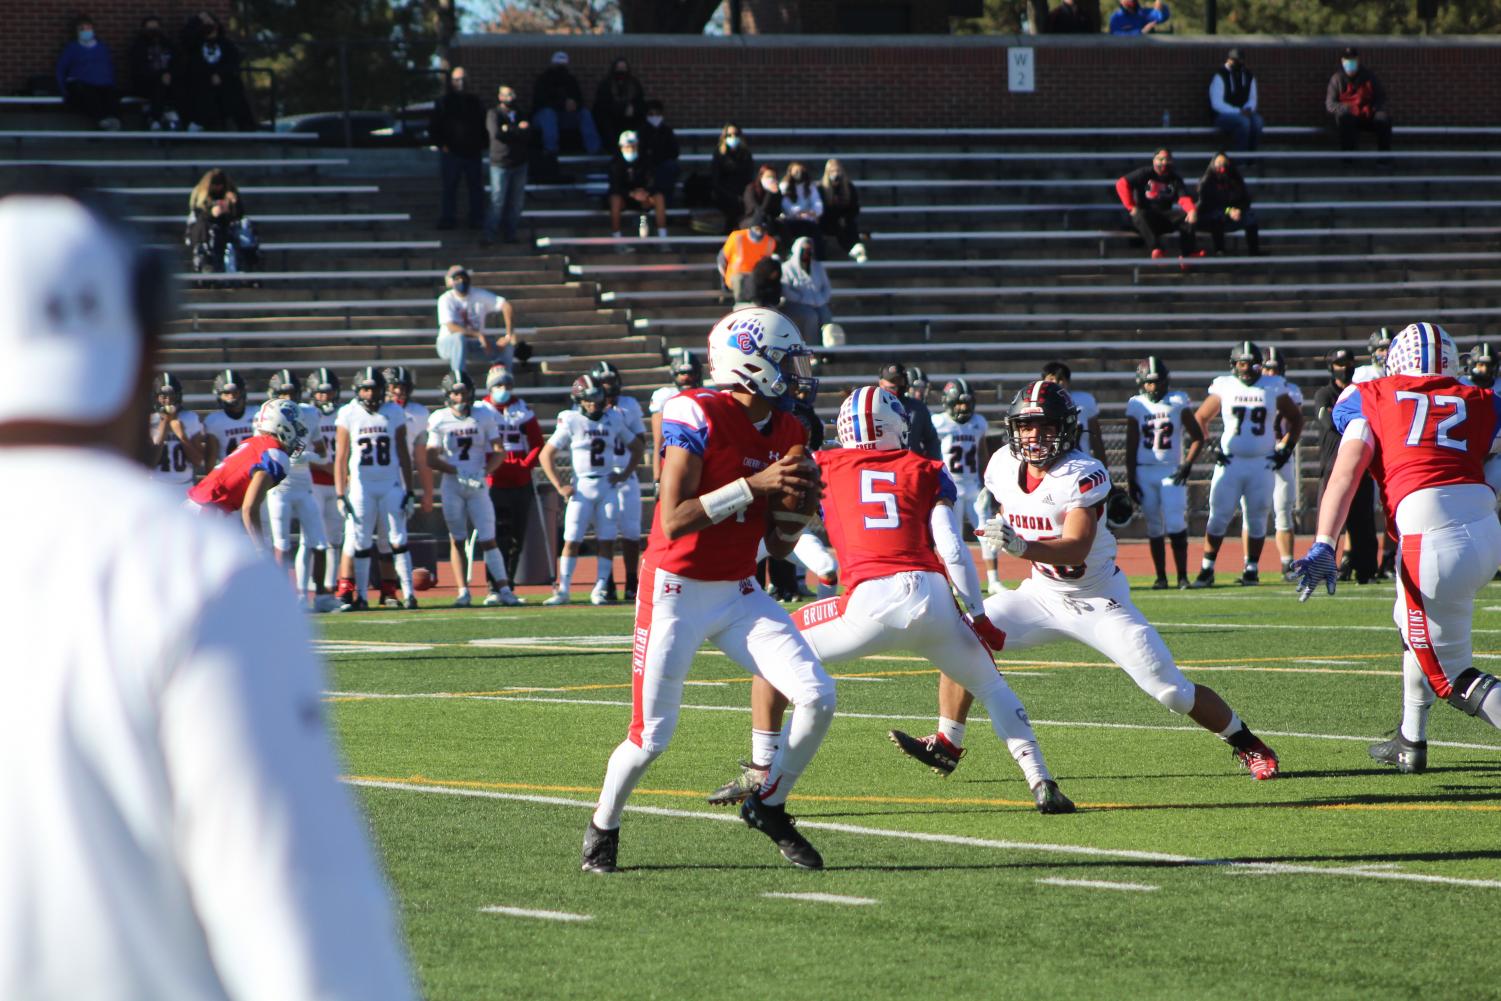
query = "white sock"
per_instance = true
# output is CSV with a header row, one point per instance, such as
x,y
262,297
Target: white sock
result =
x,y
303,564
331,567
988,552
361,576
403,561
803,732
764,746
662,231
1009,721
1490,709
1207,562
1417,699
602,569
565,572
497,567
627,764
952,730
1233,727
615,234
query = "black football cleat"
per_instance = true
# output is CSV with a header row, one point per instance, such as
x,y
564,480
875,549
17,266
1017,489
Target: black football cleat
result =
x,y
1250,576
410,602
1410,757
736,789
934,750
1204,579
1050,799
1160,584
774,822
600,849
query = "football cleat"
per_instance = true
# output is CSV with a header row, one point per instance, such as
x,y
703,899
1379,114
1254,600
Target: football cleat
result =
x,y
630,592
600,596
410,602
492,599
742,785
463,601
1258,759
934,750
1183,584
600,849
1204,579
1410,757
774,822
1250,577
1050,799
510,598
1160,584
357,605
557,598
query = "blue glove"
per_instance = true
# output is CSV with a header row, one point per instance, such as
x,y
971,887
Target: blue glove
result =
x,y
1316,568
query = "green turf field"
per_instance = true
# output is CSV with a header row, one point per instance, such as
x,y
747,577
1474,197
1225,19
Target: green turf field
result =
x,y
480,736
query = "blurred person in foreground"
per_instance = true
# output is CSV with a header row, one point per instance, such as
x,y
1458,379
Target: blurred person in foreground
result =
x,y
178,830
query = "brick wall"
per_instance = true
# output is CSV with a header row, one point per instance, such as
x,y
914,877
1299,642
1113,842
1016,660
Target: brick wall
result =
x,y
34,31
936,82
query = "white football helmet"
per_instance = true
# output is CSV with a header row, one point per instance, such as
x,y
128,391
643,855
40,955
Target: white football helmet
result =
x,y
281,420
1422,349
761,350
873,418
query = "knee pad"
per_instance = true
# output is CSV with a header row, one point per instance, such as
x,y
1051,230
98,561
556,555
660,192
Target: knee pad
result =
x,y
363,554
1470,690
1178,698
823,703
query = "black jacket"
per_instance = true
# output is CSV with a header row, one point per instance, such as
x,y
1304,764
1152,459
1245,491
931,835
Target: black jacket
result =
x,y
1218,192
510,144
627,177
458,124
756,199
1329,439
553,86
150,57
922,437
730,171
1068,19
619,104
1152,190
658,143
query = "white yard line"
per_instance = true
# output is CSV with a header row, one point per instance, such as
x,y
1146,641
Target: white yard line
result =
x,y
1263,627
1098,884
522,912
824,898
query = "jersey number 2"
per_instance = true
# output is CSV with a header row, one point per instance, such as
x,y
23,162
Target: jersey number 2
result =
x,y
1456,408
878,487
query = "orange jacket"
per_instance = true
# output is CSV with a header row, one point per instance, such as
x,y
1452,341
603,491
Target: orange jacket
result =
x,y
741,253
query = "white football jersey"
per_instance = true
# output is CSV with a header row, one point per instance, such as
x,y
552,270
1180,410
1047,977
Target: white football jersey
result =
x,y
1089,409
373,459
1365,373
591,444
228,431
463,442
1159,426
1249,413
510,423
959,446
328,430
172,466
417,417
660,397
630,410
1076,480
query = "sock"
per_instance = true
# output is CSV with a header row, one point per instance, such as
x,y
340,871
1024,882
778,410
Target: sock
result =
x,y
603,568
951,731
627,764
803,732
1206,562
1009,722
330,568
615,234
991,577
1237,734
1028,757
1417,699
1490,709
1287,563
565,572
1180,552
988,554
404,573
1158,546
662,231
496,568
304,569
361,576
764,747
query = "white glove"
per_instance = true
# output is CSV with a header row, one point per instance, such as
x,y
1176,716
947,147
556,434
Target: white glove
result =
x,y
472,482
999,533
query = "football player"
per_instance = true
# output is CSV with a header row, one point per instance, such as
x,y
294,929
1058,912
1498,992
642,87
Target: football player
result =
x,y
961,443
1377,344
628,493
322,387
399,385
1285,486
687,373
176,433
372,477
512,495
1091,441
1426,435
591,434
1159,419
1480,368
294,496
1249,405
241,482
891,517
1050,496
726,454
461,444
230,424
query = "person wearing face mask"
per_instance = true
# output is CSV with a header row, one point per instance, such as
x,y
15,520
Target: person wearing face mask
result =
x,y
1134,19
633,183
217,223
457,127
1224,203
802,206
1158,202
732,169
805,290
461,319
510,134
1357,101
742,251
558,107
213,78
154,75
659,145
86,76
763,197
841,211
510,482
1232,95
619,101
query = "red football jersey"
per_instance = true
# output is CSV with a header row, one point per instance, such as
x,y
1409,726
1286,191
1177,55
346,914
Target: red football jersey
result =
x,y
224,487
712,425
1428,430
877,507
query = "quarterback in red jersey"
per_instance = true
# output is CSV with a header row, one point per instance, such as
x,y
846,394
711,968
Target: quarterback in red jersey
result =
x,y
1424,436
725,457
891,519
240,482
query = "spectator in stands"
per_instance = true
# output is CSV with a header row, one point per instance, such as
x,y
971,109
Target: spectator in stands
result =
x,y
1158,202
841,210
802,207
1224,203
619,101
558,107
219,235
1133,19
762,197
86,76
738,257
633,183
805,290
510,135
922,438
766,284
461,318
731,170
659,145
154,74
1232,95
212,68
1357,101
457,128
1068,19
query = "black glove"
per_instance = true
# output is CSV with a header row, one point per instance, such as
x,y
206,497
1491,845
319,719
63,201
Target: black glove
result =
x,y
1281,455
1220,457
1134,490
1180,475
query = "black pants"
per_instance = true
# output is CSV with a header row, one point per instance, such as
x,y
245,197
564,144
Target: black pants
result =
x,y
1350,125
216,108
1152,223
94,102
513,512
1361,524
1218,225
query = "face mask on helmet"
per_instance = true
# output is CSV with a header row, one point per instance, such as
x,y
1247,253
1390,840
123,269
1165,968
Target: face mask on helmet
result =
x,y
1042,424
1155,388
232,401
1483,373
592,404
1036,441
461,400
369,395
324,400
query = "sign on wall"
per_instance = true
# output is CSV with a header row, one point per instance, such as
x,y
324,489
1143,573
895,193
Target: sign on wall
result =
x,y
1021,68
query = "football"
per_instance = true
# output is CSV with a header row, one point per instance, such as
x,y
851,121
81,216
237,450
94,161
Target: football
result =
x,y
790,511
423,579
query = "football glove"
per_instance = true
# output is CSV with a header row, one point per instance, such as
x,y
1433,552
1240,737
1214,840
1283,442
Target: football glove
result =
x,y
408,503
346,511
990,634
1181,474
1318,567
999,533
1281,455
1221,457
472,482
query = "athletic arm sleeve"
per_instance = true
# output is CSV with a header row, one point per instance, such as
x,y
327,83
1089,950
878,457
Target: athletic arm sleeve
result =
x,y
955,555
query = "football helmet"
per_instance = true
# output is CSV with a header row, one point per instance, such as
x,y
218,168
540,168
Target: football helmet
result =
x,y
589,396
322,382
167,385
609,379
1378,344
1422,349
687,371
1245,361
917,383
283,385
370,378
399,382
1272,361
760,350
1120,510
229,382
1153,370
461,386
279,419
1046,408
959,400
873,418
1481,367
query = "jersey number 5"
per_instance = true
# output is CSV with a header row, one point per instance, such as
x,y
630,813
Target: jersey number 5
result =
x,y
878,487
1456,408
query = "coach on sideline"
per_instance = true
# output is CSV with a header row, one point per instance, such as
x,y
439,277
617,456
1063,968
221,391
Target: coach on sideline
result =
x,y
173,823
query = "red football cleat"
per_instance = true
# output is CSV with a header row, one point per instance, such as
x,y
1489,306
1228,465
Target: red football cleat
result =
x,y
1259,760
